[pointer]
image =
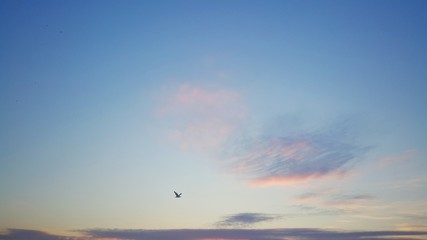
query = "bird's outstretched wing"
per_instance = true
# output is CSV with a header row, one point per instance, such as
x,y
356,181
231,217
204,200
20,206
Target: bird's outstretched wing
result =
x,y
177,195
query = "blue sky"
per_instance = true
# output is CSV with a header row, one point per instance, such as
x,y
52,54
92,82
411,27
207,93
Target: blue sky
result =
x,y
275,119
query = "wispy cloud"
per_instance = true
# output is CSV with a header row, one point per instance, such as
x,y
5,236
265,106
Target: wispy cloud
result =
x,y
246,219
415,210
201,118
411,183
409,213
398,158
332,201
315,195
283,158
348,202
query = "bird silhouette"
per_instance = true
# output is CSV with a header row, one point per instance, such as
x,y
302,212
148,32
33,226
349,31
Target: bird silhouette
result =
x,y
177,195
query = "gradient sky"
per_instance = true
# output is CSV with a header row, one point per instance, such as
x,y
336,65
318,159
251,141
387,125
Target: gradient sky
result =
x,y
275,119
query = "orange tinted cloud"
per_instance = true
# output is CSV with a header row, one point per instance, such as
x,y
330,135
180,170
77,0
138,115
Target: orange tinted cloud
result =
x,y
271,181
411,227
285,180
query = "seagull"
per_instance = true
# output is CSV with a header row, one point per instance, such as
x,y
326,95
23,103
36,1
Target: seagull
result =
x,y
177,195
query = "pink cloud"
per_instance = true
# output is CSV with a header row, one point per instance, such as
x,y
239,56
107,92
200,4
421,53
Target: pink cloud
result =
x,y
202,118
272,181
199,101
297,178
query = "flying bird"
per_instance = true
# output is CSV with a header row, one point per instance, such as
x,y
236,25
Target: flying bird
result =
x,y
177,195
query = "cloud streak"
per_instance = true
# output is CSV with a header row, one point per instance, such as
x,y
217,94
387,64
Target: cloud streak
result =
x,y
403,157
246,219
330,201
346,201
225,234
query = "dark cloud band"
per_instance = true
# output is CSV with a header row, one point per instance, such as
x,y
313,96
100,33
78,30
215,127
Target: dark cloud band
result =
x,y
231,234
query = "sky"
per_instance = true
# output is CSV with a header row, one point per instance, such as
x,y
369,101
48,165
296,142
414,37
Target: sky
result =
x,y
276,120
